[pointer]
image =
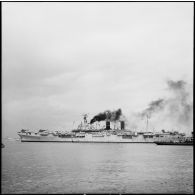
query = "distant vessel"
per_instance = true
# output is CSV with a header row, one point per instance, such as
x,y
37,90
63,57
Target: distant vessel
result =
x,y
175,143
91,133
181,141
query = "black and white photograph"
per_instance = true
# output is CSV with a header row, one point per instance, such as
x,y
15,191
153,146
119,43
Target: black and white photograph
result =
x,y
97,97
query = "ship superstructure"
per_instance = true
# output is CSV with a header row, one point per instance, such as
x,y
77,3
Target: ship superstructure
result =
x,y
109,132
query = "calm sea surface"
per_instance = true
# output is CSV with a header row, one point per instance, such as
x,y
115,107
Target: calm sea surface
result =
x,y
96,168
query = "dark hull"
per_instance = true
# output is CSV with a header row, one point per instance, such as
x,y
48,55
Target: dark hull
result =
x,y
89,142
178,144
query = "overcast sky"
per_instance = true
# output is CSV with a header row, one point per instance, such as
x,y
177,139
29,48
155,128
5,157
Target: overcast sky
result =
x,y
61,60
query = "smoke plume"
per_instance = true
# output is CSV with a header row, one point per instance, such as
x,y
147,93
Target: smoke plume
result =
x,y
174,112
180,105
154,106
107,115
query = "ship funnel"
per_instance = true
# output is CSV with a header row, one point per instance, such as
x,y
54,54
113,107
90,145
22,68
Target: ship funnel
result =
x,y
122,125
107,125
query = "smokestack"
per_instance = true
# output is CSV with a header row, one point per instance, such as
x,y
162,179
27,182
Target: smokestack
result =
x,y
107,115
122,125
107,125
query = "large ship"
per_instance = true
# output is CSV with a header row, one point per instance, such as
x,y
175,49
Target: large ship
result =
x,y
110,132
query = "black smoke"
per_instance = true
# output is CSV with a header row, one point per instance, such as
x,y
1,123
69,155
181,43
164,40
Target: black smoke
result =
x,y
176,85
153,107
173,111
180,105
107,115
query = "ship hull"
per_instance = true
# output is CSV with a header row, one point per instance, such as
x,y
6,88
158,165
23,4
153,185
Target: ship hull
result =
x,y
86,139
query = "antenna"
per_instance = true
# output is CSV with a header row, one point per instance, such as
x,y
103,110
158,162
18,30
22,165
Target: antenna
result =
x,y
85,117
147,122
73,124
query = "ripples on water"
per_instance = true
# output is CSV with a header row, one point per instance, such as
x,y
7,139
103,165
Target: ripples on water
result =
x,y
96,168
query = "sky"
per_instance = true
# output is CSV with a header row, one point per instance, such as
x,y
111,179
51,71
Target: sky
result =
x,y
61,60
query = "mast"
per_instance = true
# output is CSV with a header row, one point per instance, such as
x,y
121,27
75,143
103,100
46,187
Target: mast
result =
x,y
147,123
85,120
73,124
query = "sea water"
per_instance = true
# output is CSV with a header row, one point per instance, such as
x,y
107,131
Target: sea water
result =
x,y
96,168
